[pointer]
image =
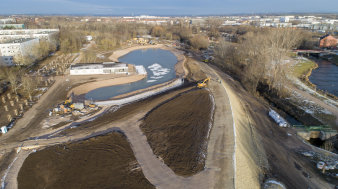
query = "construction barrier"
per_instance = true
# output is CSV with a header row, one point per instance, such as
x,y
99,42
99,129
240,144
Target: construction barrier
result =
x,y
178,82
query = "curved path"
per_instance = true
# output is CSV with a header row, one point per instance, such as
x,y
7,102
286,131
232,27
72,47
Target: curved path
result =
x,y
219,168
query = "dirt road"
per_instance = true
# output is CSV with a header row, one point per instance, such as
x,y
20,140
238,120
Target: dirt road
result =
x,y
154,169
245,146
264,150
320,102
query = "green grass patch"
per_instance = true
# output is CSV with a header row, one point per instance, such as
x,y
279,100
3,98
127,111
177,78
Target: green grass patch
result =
x,y
302,68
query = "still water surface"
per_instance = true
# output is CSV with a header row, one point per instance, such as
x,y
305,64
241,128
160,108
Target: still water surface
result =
x,y
325,77
160,66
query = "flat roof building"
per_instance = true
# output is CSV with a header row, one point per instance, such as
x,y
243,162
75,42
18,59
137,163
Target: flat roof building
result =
x,y
99,68
14,47
19,42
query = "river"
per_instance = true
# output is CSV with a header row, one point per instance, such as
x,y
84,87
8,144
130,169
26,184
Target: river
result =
x,y
160,66
325,77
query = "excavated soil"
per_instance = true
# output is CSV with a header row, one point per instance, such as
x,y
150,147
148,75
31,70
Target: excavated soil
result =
x,y
177,131
101,162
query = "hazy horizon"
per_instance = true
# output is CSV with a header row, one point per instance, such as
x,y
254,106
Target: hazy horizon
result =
x,y
166,8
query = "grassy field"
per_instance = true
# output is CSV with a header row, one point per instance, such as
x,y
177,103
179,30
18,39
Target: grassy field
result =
x,y
302,68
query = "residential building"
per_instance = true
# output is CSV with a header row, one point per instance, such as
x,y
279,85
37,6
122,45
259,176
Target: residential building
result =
x,y
19,42
15,47
15,26
327,41
7,21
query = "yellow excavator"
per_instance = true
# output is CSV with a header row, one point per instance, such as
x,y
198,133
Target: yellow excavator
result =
x,y
203,83
68,101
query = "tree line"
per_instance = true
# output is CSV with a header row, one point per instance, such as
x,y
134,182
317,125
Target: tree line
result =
x,y
259,57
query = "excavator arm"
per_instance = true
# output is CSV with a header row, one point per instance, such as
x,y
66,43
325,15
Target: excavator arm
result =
x,y
203,83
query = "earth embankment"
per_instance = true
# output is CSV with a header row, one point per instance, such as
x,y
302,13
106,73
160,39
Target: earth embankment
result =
x,y
101,162
177,131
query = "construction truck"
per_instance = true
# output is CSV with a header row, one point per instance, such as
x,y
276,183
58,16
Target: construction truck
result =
x,y
203,83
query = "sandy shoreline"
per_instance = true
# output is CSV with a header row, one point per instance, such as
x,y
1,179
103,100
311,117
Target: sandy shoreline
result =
x,y
85,88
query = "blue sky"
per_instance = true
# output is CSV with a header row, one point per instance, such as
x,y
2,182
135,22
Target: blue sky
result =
x,y
165,7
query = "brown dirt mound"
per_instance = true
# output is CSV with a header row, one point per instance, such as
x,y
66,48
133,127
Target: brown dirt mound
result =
x,y
101,162
195,72
177,131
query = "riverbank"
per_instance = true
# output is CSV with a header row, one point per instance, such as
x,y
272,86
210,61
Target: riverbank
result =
x,y
303,71
324,78
307,104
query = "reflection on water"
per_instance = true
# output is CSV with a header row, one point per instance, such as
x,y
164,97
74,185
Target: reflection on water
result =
x,y
160,66
325,77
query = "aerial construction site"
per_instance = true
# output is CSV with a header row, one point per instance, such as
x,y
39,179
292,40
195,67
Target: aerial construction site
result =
x,y
178,124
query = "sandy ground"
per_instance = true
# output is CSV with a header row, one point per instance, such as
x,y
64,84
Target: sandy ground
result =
x,y
85,88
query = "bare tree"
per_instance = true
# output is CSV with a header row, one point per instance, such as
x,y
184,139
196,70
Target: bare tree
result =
x,y
199,42
29,85
89,57
4,72
157,31
260,57
14,80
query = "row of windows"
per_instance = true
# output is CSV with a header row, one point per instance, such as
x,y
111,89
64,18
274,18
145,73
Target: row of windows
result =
x,y
8,58
105,71
10,47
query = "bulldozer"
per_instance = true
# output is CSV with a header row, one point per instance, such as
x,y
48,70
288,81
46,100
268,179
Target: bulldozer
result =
x,y
203,83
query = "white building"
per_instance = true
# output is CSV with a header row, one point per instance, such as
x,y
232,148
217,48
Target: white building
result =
x,y
99,68
286,18
15,47
46,34
19,42
7,21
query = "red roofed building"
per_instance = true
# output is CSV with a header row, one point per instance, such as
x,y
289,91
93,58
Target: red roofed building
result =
x,y
327,41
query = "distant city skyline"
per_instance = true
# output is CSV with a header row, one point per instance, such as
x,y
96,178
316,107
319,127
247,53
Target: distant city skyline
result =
x,y
166,7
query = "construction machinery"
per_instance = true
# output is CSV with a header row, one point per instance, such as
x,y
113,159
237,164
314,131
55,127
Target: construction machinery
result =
x,y
203,83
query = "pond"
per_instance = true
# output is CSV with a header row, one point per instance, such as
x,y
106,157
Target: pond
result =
x,y
160,66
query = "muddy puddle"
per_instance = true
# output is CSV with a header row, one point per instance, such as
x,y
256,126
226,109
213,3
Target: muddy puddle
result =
x,y
177,131
101,162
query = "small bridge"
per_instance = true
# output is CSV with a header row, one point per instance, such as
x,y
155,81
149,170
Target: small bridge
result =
x,y
308,52
314,52
321,131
